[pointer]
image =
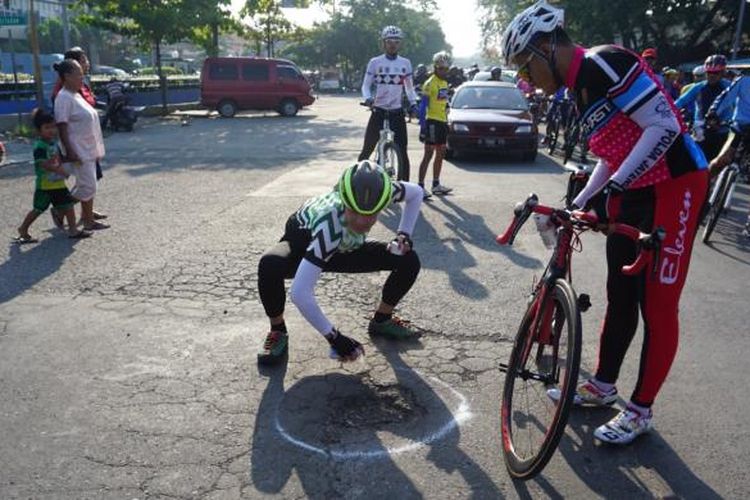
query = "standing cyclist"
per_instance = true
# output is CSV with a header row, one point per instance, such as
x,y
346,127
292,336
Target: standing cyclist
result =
x,y
433,123
328,234
650,174
701,96
392,75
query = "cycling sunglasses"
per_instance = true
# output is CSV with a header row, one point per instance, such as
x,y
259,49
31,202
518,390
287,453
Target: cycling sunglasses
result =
x,y
523,70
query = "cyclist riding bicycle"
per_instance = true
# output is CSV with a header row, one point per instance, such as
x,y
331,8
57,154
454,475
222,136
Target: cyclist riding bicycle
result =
x,y
735,101
328,234
702,95
650,174
392,76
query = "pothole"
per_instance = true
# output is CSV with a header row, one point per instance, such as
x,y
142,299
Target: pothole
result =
x,y
355,416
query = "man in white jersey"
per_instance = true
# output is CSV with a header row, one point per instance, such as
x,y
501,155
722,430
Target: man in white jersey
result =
x,y
392,75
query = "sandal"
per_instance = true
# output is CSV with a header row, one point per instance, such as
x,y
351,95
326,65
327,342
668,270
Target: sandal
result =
x,y
98,216
22,240
79,235
96,226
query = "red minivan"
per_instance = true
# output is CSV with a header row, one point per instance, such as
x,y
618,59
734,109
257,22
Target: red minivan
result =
x,y
230,84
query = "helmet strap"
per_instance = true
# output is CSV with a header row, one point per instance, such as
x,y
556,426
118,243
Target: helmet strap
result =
x,y
551,59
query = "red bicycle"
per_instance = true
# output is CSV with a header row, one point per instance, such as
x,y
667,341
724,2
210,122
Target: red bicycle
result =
x,y
547,349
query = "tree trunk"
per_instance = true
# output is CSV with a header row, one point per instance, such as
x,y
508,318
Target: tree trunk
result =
x,y
162,78
214,40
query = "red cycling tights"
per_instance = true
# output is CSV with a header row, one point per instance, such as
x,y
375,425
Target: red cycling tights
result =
x,y
675,205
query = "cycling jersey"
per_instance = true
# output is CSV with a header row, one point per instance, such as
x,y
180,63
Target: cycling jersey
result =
x,y
321,226
434,103
391,76
737,96
630,122
700,97
636,130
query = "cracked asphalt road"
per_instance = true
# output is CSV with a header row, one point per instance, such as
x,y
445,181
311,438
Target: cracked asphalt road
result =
x,y
127,361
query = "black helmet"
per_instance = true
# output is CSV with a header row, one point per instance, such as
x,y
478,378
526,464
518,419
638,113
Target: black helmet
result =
x,y
365,187
496,72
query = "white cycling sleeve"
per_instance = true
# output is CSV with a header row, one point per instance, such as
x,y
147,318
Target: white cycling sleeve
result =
x,y
597,181
367,81
413,195
409,87
302,294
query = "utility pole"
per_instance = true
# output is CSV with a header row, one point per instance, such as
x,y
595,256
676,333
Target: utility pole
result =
x,y
738,33
65,24
34,40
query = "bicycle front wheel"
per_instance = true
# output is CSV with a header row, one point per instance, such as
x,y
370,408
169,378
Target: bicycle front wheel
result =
x,y
394,162
553,130
532,423
717,200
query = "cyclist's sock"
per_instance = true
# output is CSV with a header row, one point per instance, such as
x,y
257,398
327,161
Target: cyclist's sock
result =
x,y
602,386
643,410
382,317
281,327
435,182
421,184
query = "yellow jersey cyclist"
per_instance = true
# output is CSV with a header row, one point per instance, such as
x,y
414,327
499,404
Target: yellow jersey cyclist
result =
x,y
328,233
433,122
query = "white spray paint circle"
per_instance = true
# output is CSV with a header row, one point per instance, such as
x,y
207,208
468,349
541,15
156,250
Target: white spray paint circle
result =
x,y
461,414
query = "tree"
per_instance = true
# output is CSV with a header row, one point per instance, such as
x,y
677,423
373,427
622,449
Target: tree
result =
x,y
213,17
352,36
677,28
152,22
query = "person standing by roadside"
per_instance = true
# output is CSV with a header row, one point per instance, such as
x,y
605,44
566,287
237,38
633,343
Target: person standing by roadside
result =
x,y
433,122
78,54
80,137
392,76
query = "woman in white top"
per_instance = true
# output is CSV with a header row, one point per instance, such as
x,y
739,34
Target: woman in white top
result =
x,y
80,137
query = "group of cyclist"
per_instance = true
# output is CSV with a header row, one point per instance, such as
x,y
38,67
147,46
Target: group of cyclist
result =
x,y
650,173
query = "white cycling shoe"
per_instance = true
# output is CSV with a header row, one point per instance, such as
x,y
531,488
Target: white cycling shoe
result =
x,y
587,394
625,427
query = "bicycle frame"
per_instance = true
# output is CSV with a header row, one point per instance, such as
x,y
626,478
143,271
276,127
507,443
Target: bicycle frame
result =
x,y
386,136
569,226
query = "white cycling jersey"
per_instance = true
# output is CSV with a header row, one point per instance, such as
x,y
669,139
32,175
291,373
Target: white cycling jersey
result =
x,y
391,78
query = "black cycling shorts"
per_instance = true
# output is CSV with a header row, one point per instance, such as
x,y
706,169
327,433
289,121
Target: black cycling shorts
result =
x,y
436,133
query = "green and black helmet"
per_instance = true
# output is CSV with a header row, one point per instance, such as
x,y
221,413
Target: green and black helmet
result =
x,y
365,187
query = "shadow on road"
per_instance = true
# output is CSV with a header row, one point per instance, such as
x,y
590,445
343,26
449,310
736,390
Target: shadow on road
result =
x,y
29,264
338,419
228,144
507,164
727,238
451,254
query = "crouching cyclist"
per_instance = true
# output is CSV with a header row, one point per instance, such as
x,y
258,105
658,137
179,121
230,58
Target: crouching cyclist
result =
x,y
328,234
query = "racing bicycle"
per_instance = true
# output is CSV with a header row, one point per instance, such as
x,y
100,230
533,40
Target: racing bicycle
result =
x,y
547,348
720,198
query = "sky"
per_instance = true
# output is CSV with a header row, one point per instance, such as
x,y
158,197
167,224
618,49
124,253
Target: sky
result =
x,y
457,17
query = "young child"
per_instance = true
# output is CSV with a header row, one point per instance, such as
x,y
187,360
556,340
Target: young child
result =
x,y
50,180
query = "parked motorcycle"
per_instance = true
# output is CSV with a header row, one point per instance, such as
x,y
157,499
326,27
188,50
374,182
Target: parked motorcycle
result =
x,y
118,113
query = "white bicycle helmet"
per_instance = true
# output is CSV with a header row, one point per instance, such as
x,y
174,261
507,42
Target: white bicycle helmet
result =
x,y
391,32
441,58
699,71
539,18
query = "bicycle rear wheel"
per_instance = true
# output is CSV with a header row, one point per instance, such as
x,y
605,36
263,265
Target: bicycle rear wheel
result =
x,y
531,422
718,199
394,162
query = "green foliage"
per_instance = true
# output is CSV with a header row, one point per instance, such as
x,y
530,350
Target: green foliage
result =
x,y
352,36
165,70
680,29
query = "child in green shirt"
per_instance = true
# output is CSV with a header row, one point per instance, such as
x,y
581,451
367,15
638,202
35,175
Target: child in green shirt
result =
x,y
50,180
